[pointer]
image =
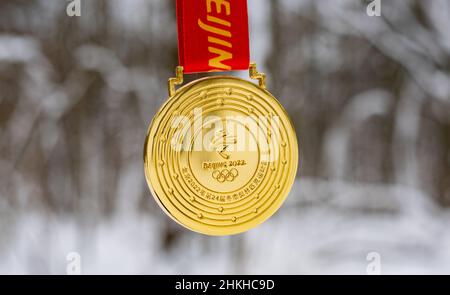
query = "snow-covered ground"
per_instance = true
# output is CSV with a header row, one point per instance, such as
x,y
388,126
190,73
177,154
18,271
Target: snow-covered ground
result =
x,y
323,228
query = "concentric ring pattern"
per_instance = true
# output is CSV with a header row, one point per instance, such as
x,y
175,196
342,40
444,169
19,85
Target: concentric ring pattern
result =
x,y
221,191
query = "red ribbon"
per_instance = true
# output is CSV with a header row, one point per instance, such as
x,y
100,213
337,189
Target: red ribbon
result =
x,y
213,35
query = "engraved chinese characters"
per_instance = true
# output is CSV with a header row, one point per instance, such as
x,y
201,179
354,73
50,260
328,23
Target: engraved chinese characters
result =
x,y
221,155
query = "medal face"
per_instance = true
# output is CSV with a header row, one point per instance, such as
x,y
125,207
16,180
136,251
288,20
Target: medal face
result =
x,y
221,156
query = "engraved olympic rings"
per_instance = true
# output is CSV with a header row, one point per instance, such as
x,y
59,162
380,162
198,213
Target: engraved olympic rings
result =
x,y
225,175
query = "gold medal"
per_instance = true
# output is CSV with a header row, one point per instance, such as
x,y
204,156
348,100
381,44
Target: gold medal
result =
x,y
221,154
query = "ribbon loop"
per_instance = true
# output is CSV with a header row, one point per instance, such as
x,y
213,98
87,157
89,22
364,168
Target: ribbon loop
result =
x,y
213,35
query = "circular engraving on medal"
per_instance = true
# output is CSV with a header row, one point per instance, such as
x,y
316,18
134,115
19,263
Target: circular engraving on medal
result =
x,y
230,163
220,156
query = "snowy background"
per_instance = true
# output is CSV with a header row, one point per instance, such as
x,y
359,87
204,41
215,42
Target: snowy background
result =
x,y
369,97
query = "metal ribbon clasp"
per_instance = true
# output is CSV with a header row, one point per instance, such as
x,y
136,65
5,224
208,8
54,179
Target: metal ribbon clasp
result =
x,y
179,72
177,80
